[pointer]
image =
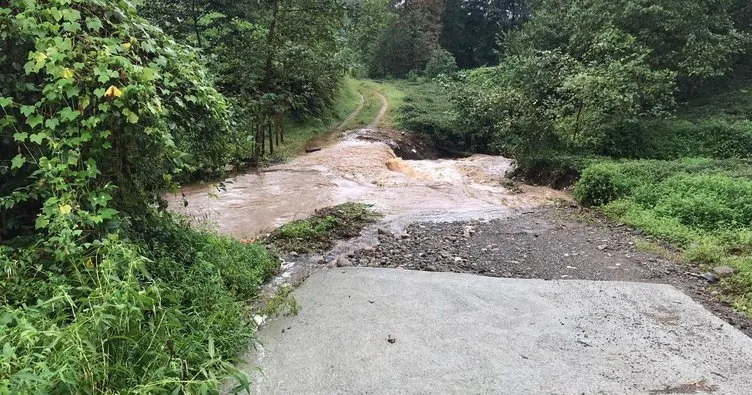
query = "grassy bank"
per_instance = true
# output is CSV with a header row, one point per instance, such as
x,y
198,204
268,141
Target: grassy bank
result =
x,y
323,229
703,207
298,133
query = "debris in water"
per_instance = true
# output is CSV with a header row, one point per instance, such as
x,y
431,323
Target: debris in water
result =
x,y
391,340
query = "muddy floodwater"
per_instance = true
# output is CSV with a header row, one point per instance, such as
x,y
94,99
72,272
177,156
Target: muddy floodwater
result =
x,y
351,169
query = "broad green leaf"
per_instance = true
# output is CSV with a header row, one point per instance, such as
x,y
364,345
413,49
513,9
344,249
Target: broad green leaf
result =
x,y
65,209
20,137
132,116
37,138
34,120
52,123
71,15
69,114
84,102
73,27
27,110
5,102
42,222
17,162
93,23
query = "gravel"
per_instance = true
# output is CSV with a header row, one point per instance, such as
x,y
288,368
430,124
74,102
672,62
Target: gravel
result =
x,y
551,243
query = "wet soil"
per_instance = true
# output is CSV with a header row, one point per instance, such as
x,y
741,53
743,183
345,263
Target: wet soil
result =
x,y
552,243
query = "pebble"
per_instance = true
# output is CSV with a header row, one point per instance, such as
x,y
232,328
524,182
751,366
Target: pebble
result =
x,y
710,277
430,268
602,247
342,261
724,271
383,231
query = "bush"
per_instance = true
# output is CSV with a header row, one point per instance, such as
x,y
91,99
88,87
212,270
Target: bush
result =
x,y
601,184
101,292
440,62
679,201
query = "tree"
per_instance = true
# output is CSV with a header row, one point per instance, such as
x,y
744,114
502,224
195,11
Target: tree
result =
x,y
695,39
408,41
474,29
269,57
441,62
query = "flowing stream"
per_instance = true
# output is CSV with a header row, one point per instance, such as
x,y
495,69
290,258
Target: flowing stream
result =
x,y
355,169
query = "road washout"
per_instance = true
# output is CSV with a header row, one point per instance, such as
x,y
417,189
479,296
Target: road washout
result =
x,y
358,166
354,169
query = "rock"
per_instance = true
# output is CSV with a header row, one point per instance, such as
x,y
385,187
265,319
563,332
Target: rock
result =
x,y
457,259
602,247
384,232
710,277
724,271
259,319
430,268
293,253
342,261
405,236
451,238
369,249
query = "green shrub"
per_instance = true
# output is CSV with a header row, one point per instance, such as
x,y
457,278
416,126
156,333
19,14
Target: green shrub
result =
x,y
440,62
674,200
101,292
601,184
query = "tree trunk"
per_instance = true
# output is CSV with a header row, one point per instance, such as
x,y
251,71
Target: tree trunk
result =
x,y
268,65
271,138
281,126
195,24
263,138
258,140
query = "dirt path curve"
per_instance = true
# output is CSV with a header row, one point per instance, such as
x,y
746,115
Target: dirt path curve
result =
x,y
352,115
382,113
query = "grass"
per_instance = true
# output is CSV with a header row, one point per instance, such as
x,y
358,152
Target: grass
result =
x,y
323,229
702,207
394,95
299,134
166,311
654,248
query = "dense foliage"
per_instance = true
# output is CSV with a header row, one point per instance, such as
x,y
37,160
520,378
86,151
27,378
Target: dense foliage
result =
x,y
101,291
700,205
269,57
601,78
474,30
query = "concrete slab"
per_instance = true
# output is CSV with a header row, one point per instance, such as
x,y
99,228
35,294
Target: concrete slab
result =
x,y
467,334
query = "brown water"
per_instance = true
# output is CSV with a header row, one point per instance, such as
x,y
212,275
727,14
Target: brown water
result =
x,y
353,170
